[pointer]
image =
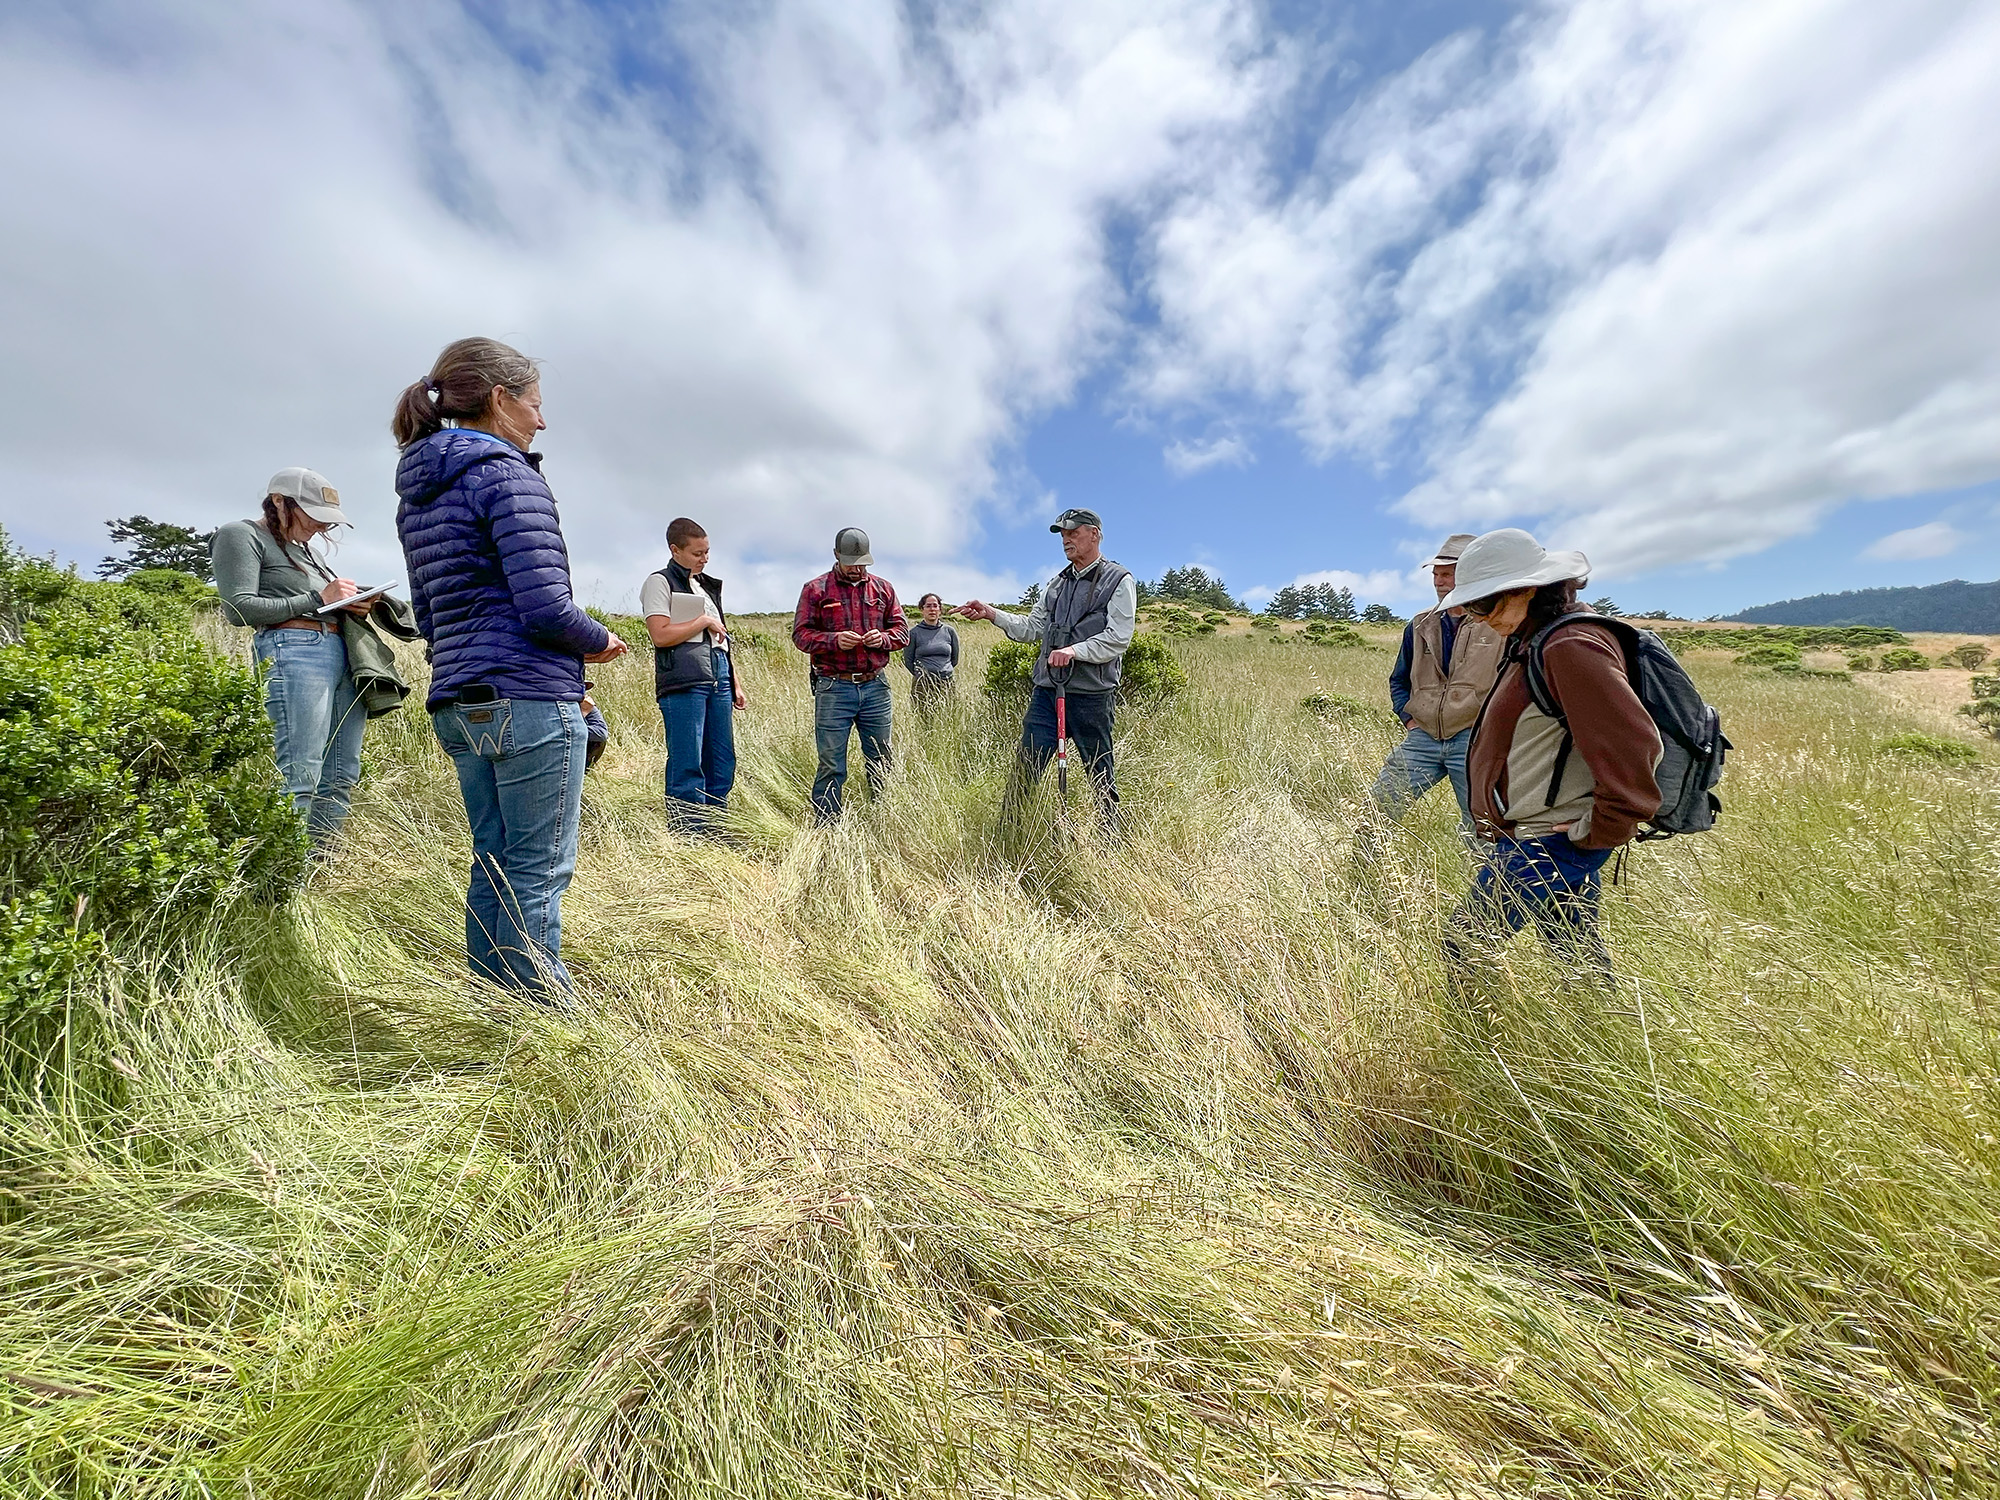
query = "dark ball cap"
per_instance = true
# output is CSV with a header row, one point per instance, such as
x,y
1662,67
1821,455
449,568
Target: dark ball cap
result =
x,y
850,547
1069,520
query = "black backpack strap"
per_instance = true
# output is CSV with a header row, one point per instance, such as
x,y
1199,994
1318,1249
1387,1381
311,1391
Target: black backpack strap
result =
x,y
1538,678
1543,696
1562,765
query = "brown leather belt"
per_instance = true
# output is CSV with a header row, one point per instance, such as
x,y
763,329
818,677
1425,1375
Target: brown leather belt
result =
x,y
847,676
322,626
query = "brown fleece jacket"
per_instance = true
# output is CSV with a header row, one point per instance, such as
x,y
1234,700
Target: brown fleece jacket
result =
x,y
1607,789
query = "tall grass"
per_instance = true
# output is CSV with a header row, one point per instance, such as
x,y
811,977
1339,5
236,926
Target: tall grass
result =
x,y
909,1158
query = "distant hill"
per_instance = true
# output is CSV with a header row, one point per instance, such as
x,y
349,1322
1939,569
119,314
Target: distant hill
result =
x,y
1957,606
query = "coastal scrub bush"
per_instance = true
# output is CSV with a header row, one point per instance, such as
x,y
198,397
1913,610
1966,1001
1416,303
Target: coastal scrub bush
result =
x,y
1861,661
1151,669
1905,659
1930,747
1805,637
1985,712
1329,633
136,783
1971,656
1984,709
1339,707
1771,654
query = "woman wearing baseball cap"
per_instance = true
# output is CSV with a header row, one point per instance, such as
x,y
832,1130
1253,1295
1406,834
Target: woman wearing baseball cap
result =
x,y
271,579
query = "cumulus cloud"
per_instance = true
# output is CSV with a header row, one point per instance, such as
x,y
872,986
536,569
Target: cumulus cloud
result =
x,y
1933,539
818,281
1184,458
1665,279
1668,280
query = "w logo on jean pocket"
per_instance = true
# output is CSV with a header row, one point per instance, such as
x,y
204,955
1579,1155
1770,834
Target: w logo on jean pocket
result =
x,y
485,727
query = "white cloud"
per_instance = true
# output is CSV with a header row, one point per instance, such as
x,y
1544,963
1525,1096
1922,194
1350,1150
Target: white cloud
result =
x,y
1185,458
1932,539
1665,279
825,292
1668,280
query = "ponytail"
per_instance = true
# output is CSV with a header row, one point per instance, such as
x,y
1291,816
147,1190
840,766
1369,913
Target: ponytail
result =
x,y
459,387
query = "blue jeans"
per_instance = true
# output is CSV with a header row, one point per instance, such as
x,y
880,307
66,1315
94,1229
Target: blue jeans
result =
x,y
1087,717
1417,765
840,708
1547,881
520,770
317,722
701,744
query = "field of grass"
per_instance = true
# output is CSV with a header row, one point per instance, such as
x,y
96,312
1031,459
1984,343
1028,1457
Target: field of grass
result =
x,y
905,1160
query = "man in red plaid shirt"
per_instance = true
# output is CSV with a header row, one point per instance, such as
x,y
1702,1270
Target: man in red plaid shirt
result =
x,y
850,623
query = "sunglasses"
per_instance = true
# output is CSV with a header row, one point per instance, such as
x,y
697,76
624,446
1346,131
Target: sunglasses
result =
x,y
1481,607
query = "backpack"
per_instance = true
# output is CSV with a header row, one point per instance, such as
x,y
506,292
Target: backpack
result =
x,y
1691,736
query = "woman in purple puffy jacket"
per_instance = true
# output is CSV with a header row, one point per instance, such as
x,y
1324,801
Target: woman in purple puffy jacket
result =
x,y
489,577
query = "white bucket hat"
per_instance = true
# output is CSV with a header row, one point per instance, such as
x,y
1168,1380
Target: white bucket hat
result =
x,y
1509,559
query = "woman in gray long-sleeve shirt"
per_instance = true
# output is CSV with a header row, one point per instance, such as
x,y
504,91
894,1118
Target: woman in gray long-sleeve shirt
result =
x,y
270,579
931,656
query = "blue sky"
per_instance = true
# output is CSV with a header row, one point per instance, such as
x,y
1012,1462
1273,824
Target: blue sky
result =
x,y
1710,291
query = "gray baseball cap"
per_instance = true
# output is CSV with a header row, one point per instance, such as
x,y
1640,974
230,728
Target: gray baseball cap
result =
x,y
850,547
315,496
1070,519
1451,549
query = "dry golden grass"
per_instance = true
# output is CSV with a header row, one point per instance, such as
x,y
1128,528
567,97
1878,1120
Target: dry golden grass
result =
x,y
904,1159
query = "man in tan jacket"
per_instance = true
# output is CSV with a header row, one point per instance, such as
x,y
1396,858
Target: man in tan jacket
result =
x,y
1446,668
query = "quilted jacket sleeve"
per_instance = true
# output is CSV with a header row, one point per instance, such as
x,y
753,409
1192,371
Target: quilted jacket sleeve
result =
x,y
522,514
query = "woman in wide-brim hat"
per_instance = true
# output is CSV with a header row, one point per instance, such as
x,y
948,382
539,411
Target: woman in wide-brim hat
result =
x,y
1555,794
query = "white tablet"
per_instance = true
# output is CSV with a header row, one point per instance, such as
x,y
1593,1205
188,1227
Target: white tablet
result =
x,y
340,604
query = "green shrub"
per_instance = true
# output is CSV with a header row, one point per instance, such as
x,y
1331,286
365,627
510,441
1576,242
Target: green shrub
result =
x,y
1338,706
1971,656
1151,669
1770,654
1805,637
1216,617
1904,659
1985,712
136,783
1861,662
1264,622
1930,747
1986,687
1332,633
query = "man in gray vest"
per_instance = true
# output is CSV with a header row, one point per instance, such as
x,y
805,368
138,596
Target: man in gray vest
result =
x,y
1448,664
1083,620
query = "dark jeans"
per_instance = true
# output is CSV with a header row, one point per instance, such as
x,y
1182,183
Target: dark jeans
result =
x,y
520,770
1547,881
839,710
1088,719
701,745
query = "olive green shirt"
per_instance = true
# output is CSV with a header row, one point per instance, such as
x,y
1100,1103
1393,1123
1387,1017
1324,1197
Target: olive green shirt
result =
x,y
261,579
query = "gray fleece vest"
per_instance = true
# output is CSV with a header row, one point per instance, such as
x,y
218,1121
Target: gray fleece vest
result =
x,y
1079,608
